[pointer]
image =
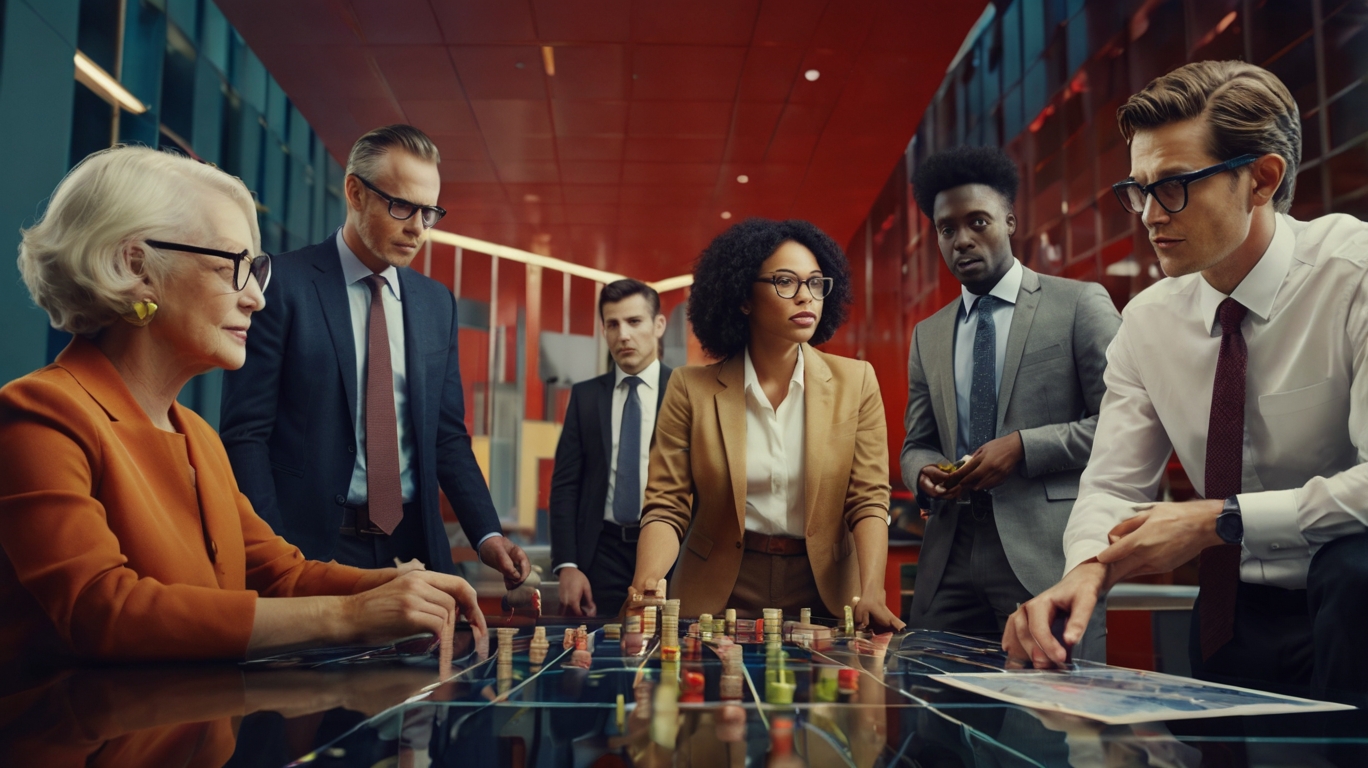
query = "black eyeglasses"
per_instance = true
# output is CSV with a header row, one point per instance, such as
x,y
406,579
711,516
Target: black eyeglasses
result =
x,y
244,264
1172,192
787,285
403,210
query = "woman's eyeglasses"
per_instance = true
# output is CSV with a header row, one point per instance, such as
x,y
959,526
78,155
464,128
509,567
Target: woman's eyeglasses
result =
x,y
403,210
787,285
244,264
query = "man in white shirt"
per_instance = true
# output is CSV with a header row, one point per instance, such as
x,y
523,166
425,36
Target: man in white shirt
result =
x,y
1010,375
1248,362
599,479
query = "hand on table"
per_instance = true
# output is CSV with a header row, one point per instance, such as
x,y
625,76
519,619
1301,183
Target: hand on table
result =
x,y
507,558
1028,636
576,596
1161,537
413,602
993,462
871,613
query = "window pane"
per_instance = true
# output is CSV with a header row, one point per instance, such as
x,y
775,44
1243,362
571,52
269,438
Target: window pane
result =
x,y
1276,24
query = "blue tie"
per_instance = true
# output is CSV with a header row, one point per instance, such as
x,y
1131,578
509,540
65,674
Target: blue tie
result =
x,y
627,483
983,385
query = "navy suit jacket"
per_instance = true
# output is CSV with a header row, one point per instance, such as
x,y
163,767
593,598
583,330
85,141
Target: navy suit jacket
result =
x,y
288,414
579,482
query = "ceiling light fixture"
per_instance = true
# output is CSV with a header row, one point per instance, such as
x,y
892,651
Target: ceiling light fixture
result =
x,y
726,214
549,60
547,262
93,76
812,75
742,179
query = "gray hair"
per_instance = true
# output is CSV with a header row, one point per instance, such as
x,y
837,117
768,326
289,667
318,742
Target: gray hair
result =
x,y
367,151
74,259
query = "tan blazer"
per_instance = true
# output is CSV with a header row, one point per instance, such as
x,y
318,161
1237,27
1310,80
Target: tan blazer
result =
x,y
699,463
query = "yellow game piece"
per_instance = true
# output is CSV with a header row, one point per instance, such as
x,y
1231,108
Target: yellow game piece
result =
x,y
621,713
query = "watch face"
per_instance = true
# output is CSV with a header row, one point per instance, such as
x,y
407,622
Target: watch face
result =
x,y
1230,527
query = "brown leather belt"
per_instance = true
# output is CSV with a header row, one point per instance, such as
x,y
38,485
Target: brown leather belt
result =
x,y
775,545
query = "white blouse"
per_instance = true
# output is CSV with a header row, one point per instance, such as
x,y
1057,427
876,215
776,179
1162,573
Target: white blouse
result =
x,y
774,456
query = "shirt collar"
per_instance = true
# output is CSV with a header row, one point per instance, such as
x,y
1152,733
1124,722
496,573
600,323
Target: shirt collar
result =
x,y
354,271
1006,289
650,375
753,381
1258,290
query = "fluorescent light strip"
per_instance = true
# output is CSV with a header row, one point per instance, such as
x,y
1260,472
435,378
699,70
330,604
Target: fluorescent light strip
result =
x,y
94,77
548,262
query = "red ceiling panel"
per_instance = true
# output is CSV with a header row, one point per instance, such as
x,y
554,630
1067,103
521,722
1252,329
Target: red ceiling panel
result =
x,y
686,73
503,117
678,149
700,22
788,22
599,118
602,148
500,71
589,72
627,156
485,21
397,22
596,21
679,118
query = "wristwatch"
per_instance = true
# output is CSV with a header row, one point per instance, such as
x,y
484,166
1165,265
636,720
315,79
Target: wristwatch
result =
x,y
1229,524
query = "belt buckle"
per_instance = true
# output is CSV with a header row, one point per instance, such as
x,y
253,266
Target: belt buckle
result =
x,y
774,546
629,533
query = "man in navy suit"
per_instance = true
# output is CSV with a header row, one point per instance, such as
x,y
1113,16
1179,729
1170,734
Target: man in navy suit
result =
x,y
349,417
599,479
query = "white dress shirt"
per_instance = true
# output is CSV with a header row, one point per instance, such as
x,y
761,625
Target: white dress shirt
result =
x,y
966,327
649,392
1306,400
774,456
358,301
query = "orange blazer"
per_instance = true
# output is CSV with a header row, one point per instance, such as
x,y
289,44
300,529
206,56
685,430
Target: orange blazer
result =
x,y
123,541
698,474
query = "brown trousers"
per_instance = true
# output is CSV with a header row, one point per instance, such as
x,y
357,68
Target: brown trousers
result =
x,y
775,581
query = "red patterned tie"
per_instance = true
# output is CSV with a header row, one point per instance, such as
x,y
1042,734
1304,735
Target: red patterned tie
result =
x,y
1219,570
385,498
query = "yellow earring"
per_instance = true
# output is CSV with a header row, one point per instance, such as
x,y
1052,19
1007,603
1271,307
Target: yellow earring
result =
x,y
142,314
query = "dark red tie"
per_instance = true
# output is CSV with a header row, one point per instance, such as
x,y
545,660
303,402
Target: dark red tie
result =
x,y
1219,570
384,496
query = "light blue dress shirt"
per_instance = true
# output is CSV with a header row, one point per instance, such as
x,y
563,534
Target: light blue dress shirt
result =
x,y
966,325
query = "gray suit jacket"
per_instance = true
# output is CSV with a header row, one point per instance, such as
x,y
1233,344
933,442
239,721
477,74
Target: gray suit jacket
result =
x,y
1051,392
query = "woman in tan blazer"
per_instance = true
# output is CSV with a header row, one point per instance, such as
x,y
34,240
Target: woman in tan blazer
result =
x,y
771,466
122,531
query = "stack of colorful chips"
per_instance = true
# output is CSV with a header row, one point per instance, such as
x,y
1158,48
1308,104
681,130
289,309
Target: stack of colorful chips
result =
x,y
705,626
774,625
536,653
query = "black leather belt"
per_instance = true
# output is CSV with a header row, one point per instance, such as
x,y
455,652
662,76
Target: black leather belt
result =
x,y
979,504
627,533
356,521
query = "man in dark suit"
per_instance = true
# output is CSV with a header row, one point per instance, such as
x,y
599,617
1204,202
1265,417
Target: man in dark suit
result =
x,y
1009,375
596,497
348,417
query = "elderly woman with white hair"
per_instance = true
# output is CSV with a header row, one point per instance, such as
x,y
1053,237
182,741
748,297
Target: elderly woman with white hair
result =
x,y
123,532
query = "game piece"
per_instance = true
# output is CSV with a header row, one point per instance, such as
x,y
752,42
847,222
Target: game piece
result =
x,y
781,744
569,641
537,649
648,621
731,621
691,691
824,689
848,624
621,713
665,714
444,653
805,616
779,680
847,685
506,635
705,625
525,598
729,687
669,653
612,631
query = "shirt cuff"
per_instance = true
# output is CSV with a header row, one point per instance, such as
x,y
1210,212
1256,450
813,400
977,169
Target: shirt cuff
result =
x,y
564,565
1271,531
485,538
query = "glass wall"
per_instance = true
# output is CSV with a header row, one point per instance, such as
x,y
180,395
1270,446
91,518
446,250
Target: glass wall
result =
x,y
1043,79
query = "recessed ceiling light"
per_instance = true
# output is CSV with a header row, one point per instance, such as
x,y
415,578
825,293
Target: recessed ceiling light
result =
x,y
742,179
531,198
726,214
812,74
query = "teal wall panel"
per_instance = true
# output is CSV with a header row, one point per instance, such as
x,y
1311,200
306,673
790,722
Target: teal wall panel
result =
x,y
37,83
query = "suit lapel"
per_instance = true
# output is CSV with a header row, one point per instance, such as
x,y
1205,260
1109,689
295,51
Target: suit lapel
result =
x,y
332,299
415,372
941,349
817,407
660,396
605,407
731,421
1028,298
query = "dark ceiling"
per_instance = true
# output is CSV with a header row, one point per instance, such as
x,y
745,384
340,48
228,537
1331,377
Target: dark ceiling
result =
x,y
626,158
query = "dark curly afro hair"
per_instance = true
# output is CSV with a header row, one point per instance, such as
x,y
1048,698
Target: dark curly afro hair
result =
x,y
725,273
964,165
